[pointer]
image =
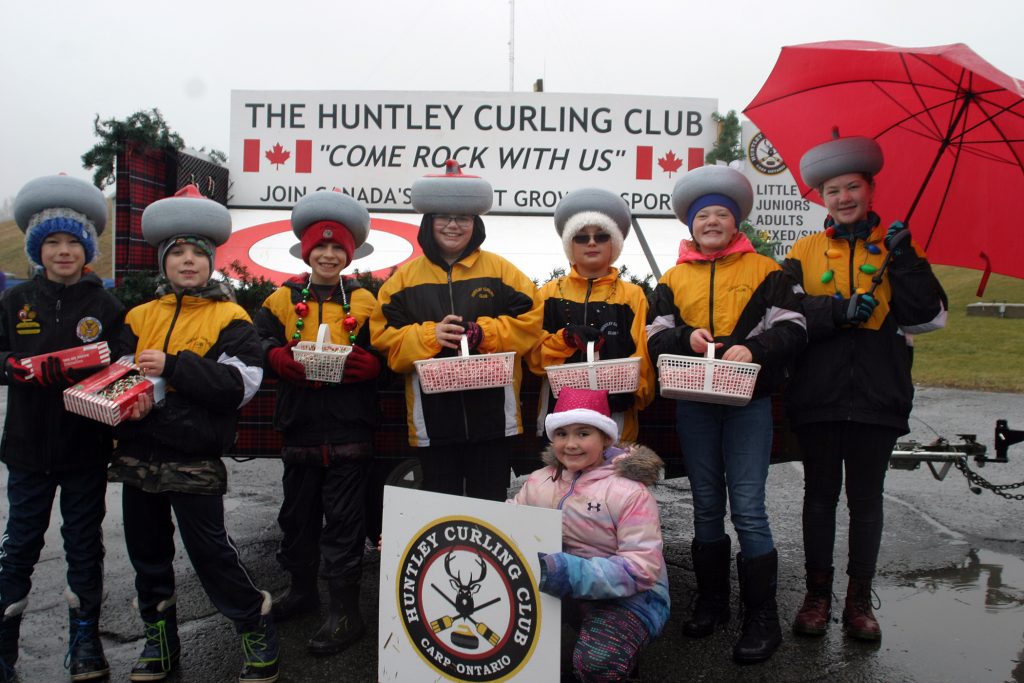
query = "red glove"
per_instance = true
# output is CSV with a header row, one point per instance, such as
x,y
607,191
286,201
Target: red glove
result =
x,y
17,372
474,335
360,366
53,374
284,364
577,336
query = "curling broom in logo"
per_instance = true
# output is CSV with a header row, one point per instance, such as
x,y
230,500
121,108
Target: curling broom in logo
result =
x,y
468,600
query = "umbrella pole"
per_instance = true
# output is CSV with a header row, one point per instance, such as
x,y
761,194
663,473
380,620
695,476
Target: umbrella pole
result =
x,y
942,148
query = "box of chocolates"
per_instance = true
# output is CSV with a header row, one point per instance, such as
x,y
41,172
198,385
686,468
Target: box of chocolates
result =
x,y
87,356
109,395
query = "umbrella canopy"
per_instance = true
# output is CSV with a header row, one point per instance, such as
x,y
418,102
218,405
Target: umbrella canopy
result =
x,y
951,128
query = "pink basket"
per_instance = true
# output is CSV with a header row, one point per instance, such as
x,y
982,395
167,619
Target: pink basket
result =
x,y
616,376
707,380
464,372
324,362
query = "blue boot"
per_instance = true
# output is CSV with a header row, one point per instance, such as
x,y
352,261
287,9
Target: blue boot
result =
x,y
261,648
162,649
10,629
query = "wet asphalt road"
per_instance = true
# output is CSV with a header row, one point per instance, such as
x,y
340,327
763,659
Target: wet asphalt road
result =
x,y
950,579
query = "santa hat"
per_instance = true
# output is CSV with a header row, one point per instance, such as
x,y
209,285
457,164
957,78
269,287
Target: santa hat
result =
x,y
187,217
582,406
452,192
59,203
839,157
330,216
712,186
592,206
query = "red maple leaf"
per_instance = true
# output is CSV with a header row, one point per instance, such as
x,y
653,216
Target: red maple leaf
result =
x,y
669,163
278,155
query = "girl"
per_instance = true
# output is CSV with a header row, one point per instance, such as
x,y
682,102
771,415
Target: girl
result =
x,y
612,573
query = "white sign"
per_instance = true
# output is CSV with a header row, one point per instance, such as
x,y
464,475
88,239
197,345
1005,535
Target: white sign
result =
x,y
458,590
780,212
531,147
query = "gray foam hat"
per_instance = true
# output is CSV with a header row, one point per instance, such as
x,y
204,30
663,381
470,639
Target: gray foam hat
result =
x,y
838,157
328,205
452,192
188,212
60,191
592,206
712,180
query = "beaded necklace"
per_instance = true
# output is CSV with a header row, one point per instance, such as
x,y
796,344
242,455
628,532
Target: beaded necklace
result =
x,y
865,268
302,310
598,308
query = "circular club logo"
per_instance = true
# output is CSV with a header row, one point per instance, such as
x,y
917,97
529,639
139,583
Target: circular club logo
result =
x,y
468,600
763,156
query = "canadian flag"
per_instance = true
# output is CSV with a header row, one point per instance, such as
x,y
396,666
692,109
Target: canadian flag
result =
x,y
669,163
277,155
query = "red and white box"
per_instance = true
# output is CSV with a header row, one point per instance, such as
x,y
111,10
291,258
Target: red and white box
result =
x,y
87,356
93,397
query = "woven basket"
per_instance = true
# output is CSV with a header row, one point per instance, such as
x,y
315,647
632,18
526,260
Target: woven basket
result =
x,y
324,362
464,372
707,380
616,376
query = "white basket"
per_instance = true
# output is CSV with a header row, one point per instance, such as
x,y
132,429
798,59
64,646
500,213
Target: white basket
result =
x,y
616,376
463,372
707,380
324,362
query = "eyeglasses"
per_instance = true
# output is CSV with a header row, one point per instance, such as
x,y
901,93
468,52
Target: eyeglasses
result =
x,y
461,221
599,238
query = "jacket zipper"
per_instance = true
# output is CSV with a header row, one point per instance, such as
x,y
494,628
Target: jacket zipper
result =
x,y
572,487
462,397
586,299
174,319
711,301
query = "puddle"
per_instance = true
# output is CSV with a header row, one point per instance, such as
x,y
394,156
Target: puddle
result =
x,y
960,623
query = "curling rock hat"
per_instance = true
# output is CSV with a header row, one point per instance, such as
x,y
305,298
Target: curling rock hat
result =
x,y
331,205
60,191
706,180
452,192
838,157
188,212
592,206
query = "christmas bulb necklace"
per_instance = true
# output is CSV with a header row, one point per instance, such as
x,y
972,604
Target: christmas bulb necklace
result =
x,y
302,310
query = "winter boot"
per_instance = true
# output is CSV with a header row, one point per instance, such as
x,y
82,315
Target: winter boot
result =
x,y
343,624
84,660
261,648
10,628
858,617
761,634
162,649
711,568
299,599
812,619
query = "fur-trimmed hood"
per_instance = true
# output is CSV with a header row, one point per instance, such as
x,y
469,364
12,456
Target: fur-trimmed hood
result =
x,y
631,461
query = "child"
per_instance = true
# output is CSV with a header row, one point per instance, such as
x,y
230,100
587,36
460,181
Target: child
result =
x,y
205,348
612,567
43,446
327,428
592,303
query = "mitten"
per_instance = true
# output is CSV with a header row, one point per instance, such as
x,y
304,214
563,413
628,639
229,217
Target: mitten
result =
x,y
577,336
284,364
360,366
474,335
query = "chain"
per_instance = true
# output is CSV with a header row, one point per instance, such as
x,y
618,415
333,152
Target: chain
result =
x,y
977,480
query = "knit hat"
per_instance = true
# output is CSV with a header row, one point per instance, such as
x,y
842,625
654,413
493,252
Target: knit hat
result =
x,y
592,206
838,157
452,192
60,203
722,181
330,216
582,406
187,217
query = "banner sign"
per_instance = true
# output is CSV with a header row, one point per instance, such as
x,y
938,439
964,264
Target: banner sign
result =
x,y
458,590
532,147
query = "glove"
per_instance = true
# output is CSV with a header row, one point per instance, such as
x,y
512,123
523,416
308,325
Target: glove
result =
x,y
897,241
474,335
53,374
16,372
360,366
284,364
577,336
855,310
620,403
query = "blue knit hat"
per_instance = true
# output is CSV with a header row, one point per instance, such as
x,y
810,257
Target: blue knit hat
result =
x,y
59,203
712,199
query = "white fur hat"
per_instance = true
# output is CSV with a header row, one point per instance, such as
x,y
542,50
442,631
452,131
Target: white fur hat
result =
x,y
592,206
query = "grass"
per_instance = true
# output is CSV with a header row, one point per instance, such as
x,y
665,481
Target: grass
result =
x,y
970,353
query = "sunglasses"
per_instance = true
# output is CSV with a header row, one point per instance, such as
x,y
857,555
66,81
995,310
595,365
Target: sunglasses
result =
x,y
599,238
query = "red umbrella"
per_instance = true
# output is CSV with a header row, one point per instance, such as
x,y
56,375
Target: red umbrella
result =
x,y
951,127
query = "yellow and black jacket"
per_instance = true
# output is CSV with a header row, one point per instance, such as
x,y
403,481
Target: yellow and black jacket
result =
x,y
741,297
614,306
481,287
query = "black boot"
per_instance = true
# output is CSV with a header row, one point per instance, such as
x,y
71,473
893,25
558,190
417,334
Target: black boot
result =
x,y
761,634
162,649
84,660
10,629
261,648
711,568
300,598
343,624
